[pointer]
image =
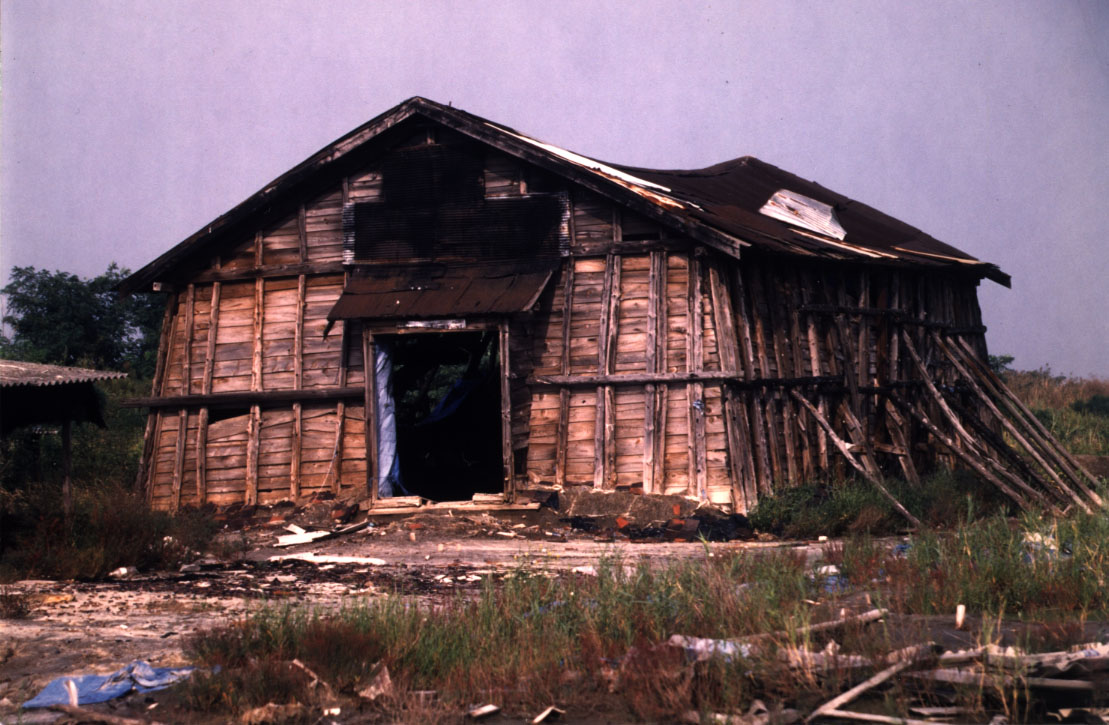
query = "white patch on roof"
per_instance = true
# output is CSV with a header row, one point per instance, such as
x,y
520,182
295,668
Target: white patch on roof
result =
x,y
647,189
803,211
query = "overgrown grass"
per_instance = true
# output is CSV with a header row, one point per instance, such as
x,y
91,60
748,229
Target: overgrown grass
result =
x,y
1074,410
1028,567
526,642
944,499
112,527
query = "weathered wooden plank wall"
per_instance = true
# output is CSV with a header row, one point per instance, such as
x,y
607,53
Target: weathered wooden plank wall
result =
x,y
650,364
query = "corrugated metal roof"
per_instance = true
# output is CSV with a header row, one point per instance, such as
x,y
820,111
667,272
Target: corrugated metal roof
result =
x,y
16,373
718,205
432,291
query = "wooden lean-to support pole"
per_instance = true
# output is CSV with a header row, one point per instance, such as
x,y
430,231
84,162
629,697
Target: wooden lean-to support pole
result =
x,y
845,450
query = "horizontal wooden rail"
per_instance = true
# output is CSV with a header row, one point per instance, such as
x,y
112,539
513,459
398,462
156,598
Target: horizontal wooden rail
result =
x,y
682,377
243,398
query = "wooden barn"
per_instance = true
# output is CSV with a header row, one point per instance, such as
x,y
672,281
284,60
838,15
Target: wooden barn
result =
x,y
535,319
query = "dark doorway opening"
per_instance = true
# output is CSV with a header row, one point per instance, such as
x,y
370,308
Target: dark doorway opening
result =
x,y
448,410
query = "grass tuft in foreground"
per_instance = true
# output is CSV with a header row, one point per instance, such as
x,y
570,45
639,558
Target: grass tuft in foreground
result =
x,y
526,643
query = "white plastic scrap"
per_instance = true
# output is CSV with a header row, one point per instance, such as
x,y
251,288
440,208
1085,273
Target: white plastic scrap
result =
x,y
701,648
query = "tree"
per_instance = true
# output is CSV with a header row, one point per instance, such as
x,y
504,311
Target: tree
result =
x,y
59,318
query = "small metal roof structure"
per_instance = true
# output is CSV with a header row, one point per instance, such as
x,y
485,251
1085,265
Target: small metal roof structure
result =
x,y
34,394
720,206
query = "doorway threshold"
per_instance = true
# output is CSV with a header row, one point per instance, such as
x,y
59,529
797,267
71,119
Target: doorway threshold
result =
x,y
414,504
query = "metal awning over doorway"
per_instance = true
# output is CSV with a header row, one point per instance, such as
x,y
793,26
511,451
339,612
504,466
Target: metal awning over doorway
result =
x,y
442,290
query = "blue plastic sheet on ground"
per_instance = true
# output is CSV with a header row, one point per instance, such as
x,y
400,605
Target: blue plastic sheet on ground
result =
x,y
91,689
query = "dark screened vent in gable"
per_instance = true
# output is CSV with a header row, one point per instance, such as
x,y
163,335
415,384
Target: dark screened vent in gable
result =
x,y
433,208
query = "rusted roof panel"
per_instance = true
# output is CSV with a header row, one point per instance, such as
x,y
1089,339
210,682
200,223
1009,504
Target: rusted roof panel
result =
x,y
434,291
15,373
718,205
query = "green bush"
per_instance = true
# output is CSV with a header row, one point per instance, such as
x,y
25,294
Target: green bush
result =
x,y
816,509
112,527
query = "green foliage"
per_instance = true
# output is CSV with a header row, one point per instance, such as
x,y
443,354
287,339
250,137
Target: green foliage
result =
x,y
855,506
59,318
522,637
112,527
1039,567
1000,363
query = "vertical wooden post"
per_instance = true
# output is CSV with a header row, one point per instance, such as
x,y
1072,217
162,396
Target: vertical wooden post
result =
x,y
256,358
335,469
205,389
802,282
202,457
747,357
298,381
155,389
369,355
254,424
187,356
302,231
740,459
782,365
67,472
655,274
563,438
506,412
767,396
601,443
695,392
179,458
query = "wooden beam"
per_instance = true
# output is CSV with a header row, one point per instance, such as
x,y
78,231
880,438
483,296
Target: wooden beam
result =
x,y
179,459
782,364
335,469
269,271
67,473
600,444
369,392
1055,449
959,453
256,358
210,352
695,391
767,402
298,333
563,436
296,454
741,461
239,398
845,450
155,389
1003,419
202,458
655,274
815,365
302,230
253,431
187,354
507,455
755,416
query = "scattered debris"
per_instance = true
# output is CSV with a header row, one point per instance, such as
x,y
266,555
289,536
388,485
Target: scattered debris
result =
x,y
483,711
551,713
91,689
313,558
381,685
273,714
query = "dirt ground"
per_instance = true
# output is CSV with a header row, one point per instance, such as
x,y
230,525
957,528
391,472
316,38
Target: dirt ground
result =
x,y
98,627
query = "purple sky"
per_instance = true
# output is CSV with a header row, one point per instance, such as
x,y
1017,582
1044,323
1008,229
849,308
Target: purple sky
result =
x,y
126,126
